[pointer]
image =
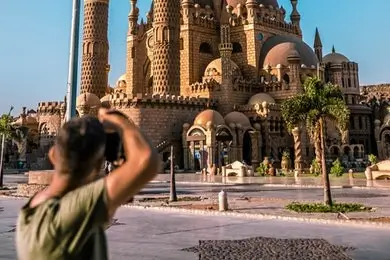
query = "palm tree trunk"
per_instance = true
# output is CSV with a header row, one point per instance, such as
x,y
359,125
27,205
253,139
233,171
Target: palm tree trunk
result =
x,y
317,149
325,176
2,159
172,193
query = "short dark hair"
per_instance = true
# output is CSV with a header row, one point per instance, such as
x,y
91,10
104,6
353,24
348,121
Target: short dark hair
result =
x,y
81,144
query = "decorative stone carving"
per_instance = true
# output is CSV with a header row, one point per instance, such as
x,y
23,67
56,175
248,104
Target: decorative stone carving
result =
x,y
297,148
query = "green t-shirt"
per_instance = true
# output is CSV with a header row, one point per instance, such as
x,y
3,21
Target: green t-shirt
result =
x,y
70,227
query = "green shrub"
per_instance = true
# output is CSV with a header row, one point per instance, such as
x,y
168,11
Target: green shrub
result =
x,y
372,159
322,208
262,169
337,168
315,168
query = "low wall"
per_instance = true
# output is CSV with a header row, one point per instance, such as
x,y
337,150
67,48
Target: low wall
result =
x,y
40,177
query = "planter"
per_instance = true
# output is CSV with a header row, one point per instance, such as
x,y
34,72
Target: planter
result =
x,y
266,161
285,164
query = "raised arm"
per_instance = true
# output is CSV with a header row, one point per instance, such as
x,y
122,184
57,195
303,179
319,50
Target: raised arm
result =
x,y
141,165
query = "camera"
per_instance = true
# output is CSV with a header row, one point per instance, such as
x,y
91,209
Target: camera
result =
x,y
114,147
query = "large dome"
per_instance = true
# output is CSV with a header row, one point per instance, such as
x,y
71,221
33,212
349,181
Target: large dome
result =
x,y
277,49
266,3
260,98
335,58
237,118
215,68
209,115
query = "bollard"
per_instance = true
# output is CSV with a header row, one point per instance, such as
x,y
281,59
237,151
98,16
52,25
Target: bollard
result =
x,y
368,173
350,173
223,201
224,171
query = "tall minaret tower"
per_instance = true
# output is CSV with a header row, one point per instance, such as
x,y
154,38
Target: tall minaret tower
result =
x,y
132,77
166,50
318,46
94,67
295,17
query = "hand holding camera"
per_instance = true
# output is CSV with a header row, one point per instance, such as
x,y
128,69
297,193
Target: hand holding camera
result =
x,y
114,123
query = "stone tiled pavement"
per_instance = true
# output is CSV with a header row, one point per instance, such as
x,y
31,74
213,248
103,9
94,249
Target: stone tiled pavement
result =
x,y
143,234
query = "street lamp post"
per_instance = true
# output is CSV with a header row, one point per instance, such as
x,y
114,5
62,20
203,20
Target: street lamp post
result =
x,y
73,61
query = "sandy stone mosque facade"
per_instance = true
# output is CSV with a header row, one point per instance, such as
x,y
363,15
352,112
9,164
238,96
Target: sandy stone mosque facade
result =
x,y
208,76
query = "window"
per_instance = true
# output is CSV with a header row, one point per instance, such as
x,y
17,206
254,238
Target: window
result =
x,y
237,47
181,44
205,48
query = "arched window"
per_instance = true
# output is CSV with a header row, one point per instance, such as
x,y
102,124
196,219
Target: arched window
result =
x,y
237,48
286,78
205,48
181,44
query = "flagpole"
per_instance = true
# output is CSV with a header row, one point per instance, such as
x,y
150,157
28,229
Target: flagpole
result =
x,y
73,62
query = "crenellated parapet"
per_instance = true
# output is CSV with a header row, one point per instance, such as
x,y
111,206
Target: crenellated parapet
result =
x,y
375,93
267,16
51,108
198,15
205,87
123,101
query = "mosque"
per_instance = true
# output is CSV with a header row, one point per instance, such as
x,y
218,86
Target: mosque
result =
x,y
208,77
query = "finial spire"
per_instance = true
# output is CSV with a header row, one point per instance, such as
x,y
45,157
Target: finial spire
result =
x,y
317,39
333,49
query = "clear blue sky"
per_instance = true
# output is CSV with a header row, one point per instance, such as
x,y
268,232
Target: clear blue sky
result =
x,y
34,42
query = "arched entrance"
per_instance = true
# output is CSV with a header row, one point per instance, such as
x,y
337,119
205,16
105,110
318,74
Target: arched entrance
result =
x,y
247,148
224,141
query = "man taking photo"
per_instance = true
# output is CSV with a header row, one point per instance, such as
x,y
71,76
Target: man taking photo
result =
x,y
68,219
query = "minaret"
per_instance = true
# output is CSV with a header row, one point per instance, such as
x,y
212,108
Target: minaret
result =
x,y
132,83
295,16
318,45
225,49
94,67
166,50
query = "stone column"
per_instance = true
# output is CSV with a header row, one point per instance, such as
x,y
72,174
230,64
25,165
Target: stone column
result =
x,y
192,155
255,149
201,163
297,149
186,127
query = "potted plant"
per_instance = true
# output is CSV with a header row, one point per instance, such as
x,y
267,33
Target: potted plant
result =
x,y
285,160
372,159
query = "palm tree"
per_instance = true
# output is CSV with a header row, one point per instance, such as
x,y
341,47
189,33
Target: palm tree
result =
x,y
6,131
318,102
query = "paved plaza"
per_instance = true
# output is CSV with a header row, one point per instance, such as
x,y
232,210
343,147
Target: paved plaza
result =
x,y
149,234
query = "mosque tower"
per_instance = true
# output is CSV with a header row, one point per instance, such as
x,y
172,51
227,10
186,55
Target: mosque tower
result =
x,y
166,50
94,67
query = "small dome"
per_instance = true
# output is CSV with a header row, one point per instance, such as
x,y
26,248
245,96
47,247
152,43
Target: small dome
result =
x,y
215,68
237,118
279,49
209,115
260,98
335,58
105,101
123,77
88,99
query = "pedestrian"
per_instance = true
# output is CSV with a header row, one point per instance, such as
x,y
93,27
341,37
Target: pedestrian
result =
x,y
68,219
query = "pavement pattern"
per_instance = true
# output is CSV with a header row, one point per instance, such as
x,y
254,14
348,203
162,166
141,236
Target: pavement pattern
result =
x,y
259,248
149,235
